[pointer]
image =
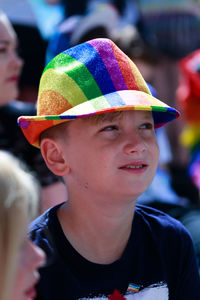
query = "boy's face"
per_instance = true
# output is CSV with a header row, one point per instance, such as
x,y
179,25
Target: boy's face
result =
x,y
114,157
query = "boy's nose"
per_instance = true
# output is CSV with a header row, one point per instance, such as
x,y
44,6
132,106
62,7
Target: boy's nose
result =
x,y
134,143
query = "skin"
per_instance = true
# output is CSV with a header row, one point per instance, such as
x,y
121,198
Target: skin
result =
x,y
10,63
122,157
31,257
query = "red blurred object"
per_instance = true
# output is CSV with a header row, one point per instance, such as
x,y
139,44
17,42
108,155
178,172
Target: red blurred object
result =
x,y
116,296
188,92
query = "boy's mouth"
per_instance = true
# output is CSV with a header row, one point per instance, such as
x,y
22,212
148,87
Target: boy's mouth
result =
x,y
134,166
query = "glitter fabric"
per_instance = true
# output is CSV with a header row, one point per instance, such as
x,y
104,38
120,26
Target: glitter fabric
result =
x,y
88,79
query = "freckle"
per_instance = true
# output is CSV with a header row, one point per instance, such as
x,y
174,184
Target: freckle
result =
x,y
86,185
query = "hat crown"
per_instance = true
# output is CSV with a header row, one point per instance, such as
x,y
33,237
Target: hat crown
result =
x,y
92,78
87,71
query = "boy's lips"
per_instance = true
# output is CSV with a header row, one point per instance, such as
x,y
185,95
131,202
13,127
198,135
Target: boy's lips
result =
x,y
136,166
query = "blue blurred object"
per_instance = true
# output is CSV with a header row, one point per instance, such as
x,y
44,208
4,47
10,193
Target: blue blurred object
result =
x,y
48,17
98,21
152,90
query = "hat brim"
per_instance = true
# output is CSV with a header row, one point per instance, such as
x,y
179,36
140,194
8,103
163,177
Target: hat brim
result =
x,y
33,126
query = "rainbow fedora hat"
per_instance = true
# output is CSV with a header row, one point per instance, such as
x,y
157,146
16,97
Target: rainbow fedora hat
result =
x,y
92,78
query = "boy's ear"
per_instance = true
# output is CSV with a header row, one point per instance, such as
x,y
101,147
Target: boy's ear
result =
x,y
53,157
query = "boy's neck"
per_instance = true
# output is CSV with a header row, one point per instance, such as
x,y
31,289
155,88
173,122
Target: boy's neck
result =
x,y
100,238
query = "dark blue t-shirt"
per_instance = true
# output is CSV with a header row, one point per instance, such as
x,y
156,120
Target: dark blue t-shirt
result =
x,y
158,262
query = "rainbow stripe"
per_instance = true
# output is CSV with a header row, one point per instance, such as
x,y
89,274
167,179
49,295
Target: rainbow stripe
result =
x,y
91,78
85,72
133,288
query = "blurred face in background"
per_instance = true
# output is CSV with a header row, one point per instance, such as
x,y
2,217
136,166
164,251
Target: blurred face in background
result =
x,y
30,259
10,63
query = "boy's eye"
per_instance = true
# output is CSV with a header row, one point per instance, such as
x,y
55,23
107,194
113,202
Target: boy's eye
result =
x,y
147,126
109,128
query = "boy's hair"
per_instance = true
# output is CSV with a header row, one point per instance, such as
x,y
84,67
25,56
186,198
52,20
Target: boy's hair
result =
x,y
55,131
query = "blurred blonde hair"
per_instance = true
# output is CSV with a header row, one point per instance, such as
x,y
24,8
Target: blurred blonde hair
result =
x,y
18,205
5,21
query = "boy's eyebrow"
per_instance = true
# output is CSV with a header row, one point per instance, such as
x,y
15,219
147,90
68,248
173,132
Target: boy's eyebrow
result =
x,y
109,117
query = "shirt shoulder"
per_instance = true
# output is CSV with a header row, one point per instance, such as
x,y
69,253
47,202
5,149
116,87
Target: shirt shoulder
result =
x,y
44,220
45,228
160,225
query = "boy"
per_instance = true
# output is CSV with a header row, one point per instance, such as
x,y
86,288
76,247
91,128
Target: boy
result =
x,y
99,244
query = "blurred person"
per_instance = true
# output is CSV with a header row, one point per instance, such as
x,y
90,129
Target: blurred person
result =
x,y
11,138
19,257
11,63
31,45
171,28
